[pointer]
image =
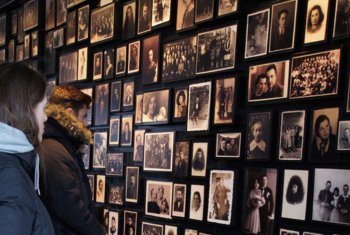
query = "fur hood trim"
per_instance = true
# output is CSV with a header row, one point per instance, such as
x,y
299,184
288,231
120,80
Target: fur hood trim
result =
x,y
70,123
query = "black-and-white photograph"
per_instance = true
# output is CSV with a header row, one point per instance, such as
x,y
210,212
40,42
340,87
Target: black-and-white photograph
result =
x,y
99,150
113,222
159,198
260,198
220,196
139,108
126,130
150,59
130,222
316,21
226,7
61,12
170,230
155,107
92,185
50,14
128,95
224,100
228,145
185,14
258,136
114,129
14,23
204,10
158,151
108,70
180,104
120,60
149,228
114,164
50,54
58,38
144,16
138,145
116,96
102,24
161,10
179,59
68,67
101,104
115,192
2,29
257,33
343,135
288,232
291,135
216,50
295,190
131,184
19,52
30,19
199,159
83,23
196,202
134,57
71,27
181,161
315,75
97,66
100,188
179,197
129,19
199,107
283,20
88,118
82,63
341,20
331,201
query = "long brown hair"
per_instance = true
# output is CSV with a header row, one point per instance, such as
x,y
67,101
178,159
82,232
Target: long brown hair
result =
x,y
21,90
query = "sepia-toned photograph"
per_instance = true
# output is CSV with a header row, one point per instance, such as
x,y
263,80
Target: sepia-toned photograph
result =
x,y
50,54
179,198
220,196
2,29
134,57
114,127
288,232
180,104
126,130
191,231
309,233
11,51
82,63
101,104
324,135
26,46
138,145
161,10
291,135
283,20
71,27
61,12
341,21
181,161
331,196
260,198
128,95
228,145
120,61
115,192
315,75
224,100
185,14
50,14
2,55
199,159
97,66
129,18
114,165
216,50
19,52
138,108
179,59
149,228
68,67
100,188
102,24
316,21
170,230
258,136
108,70
99,150
144,16
113,222
30,15
196,202
199,107
257,33
150,59
14,23
88,118
116,96
226,7
35,47
20,30
204,10
158,151
159,198
83,23
295,190
58,38
92,185
155,107
131,184
130,222
343,135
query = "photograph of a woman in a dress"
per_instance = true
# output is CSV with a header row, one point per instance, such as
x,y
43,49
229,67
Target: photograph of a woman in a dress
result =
x,y
254,202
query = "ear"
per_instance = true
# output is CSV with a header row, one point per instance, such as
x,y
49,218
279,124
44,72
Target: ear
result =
x,y
70,110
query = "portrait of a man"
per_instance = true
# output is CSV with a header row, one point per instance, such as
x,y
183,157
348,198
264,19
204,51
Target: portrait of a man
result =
x,y
138,145
344,135
121,60
132,179
179,200
114,126
145,16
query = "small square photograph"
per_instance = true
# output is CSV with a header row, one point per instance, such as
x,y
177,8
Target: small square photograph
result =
x,y
331,196
129,18
181,162
180,104
292,135
20,31
100,150
155,107
158,153
150,60
132,184
216,50
228,145
204,10
295,189
197,202
144,16
258,137
100,188
14,23
83,23
341,27
101,105
114,127
30,15
82,63
26,46
224,100
128,95
109,63
127,129
2,29
161,10
113,222
190,232
50,54
71,27
316,21
179,197
288,232
130,222
257,33
121,60
116,95
102,16
114,164
138,145
199,159
185,14
343,135
220,196
199,107
92,185
58,38
88,91
86,156
320,81
268,81
97,66
149,228
260,197
170,230
19,52
324,134
159,198
115,192
50,14
226,7
68,70
283,20
134,57
138,108
61,12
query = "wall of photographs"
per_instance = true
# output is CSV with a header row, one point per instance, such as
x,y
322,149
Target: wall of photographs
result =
x,y
210,116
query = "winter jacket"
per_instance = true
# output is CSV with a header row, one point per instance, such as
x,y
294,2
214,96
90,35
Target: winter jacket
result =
x,y
21,211
65,187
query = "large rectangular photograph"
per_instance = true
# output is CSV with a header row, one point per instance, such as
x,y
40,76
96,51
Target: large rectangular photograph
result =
x,y
150,59
155,107
102,16
30,15
159,198
225,91
185,15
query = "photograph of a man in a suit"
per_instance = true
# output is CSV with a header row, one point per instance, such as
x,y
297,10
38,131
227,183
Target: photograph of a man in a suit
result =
x,y
267,210
282,34
179,201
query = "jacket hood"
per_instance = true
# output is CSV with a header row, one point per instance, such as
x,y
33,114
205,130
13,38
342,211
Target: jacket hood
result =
x,y
13,140
72,127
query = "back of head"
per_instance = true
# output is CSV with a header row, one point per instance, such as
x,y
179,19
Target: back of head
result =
x,y
21,89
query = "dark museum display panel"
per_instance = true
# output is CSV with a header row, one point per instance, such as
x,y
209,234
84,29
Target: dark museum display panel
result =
x,y
209,116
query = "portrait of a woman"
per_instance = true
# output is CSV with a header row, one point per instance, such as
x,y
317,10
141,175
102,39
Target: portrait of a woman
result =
x,y
129,22
181,105
295,190
315,29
